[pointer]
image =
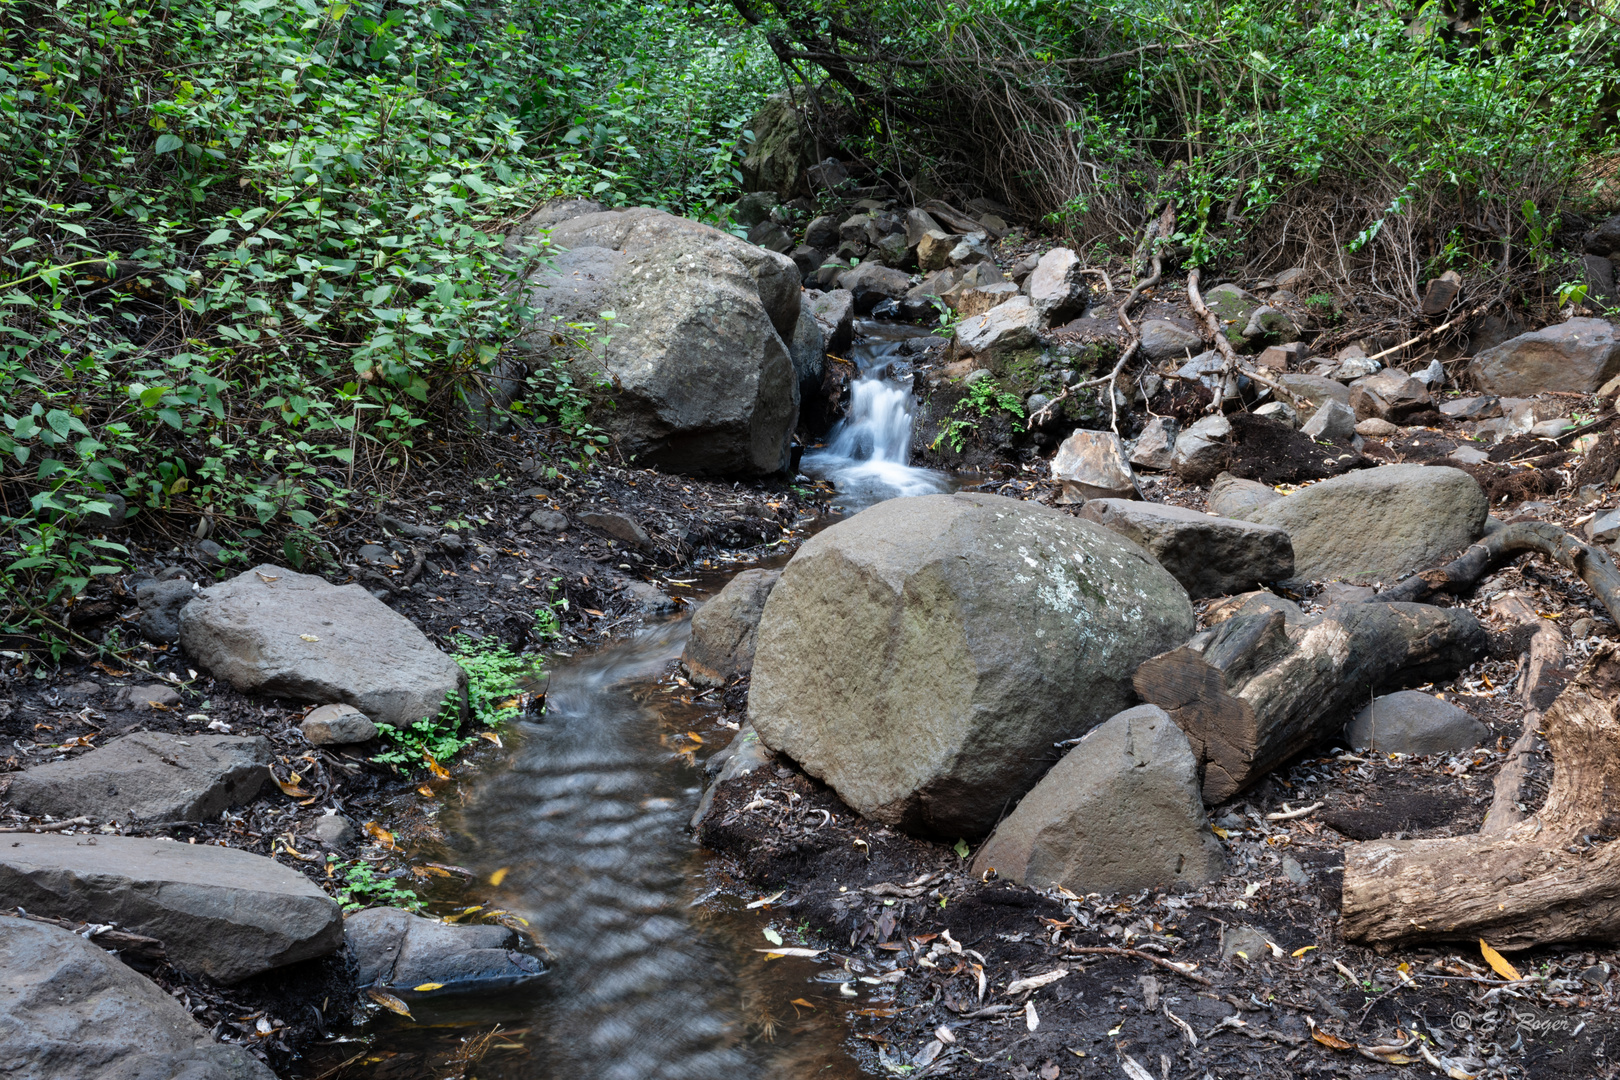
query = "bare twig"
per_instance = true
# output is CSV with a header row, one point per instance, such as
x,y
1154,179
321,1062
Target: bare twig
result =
x,y
1116,950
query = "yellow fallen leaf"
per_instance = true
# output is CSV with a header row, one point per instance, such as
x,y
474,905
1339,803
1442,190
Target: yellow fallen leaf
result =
x,y
1331,1040
389,1002
491,736
426,792
434,767
801,1001
499,876
1498,963
290,786
379,834
425,987
1297,953
309,637
1220,832
694,736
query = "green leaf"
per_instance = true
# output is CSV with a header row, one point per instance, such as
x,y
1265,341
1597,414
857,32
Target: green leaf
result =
x,y
168,142
961,848
218,236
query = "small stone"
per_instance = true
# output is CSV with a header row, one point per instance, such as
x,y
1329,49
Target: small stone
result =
x,y
1294,872
1283,357
334,830
1605,528
337,725
549,521
160,603
159,695
209,552
376,554
1202,450
1155,448
1478,407
618,526
1551,429
1583,629
1279,411
1441,293
1469,455
1375,428
1433,376
1332,422
1164,340
1388,395
1244,941
1412,722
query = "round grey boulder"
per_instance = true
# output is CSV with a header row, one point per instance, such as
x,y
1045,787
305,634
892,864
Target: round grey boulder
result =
x,y
1412,722
923,656
337,725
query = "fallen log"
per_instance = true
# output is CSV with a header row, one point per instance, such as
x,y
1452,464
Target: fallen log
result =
x,y
1253,691
1554,877
1540,663
1592,565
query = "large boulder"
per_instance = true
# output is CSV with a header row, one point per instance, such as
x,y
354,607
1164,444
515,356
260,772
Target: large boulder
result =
x,y
1120,812
220,912
148,776
1390,394
923,656
1575,357
70,1010
782,150
394,949
871,283
290,635
1210,556
1378,524
724,629
697,350
835,313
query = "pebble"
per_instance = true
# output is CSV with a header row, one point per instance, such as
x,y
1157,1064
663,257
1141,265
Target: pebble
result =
x,y
337,725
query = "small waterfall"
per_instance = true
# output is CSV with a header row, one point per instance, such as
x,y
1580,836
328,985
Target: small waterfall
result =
x,y
878,426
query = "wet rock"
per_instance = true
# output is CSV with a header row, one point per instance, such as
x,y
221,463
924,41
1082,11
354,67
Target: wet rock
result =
x,y
549,521
70,1010
1314,389
219,911
1203,450
1118,813
1210,556
1003,329
1378,524
283,634
835,312
1233,497
1166,340
649,596
394,949
1577,357
699,351
148,776
337,725
1279,411
1390,394
1332,421
724,629
1092,465
160,603
741,756
1155,448
871,283
1016,626
1057,288
1412,722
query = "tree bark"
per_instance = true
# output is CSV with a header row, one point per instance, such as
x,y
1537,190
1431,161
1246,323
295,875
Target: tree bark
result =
x,y
1545,657
1554,877
1252,692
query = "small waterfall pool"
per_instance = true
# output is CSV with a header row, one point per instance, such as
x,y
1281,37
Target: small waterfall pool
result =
x,y
867,455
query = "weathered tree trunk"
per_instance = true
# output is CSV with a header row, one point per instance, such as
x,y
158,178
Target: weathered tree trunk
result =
x,y
1554,877
1540,664
1252,692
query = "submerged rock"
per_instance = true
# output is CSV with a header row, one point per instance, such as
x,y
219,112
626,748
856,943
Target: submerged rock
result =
x,y
922,656
1120,812
394,949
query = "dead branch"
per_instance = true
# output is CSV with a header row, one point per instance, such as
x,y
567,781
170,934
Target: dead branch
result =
x,y
1554,877
1546,655
1116,950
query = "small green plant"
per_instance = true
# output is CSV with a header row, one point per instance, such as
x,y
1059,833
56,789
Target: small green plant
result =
x,y
362,888
548,624
985,398
492,699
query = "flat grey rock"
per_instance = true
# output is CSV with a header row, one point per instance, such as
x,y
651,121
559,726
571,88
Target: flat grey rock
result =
x,y
1474,407
1244,941
1234,497
1577,356
395,949
220,912
337,725
279,633
549,521
70,1010
619,526
1412,722
148,776
1119,812
1210,556
1378,524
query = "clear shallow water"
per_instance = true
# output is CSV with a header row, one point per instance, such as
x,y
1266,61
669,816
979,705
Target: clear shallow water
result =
x,y
867,455
654,969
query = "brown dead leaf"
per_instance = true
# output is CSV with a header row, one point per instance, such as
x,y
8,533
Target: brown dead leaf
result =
x,y
379,834
1331,1040
434,767
289,786
1498,963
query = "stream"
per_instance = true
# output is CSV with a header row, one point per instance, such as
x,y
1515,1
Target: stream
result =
x,y
656,970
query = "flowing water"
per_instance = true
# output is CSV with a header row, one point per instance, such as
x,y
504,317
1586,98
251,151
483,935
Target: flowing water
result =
x,y
868,453
656,971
